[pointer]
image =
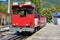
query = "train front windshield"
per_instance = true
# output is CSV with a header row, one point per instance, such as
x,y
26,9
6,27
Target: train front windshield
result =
x,y
29,11
23,11
15,11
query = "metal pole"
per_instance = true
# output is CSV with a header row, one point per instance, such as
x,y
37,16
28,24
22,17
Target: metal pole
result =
x,y
8,6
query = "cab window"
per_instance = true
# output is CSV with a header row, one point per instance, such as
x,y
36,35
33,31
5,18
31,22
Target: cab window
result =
x,y
15,11
22,12
29,11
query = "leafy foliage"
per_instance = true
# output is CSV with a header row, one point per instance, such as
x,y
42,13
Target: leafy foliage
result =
x,y
48,12
48,3
37,4
3,8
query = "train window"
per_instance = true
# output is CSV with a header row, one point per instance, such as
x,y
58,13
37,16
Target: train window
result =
x,y
15,11
36,14
29,11
22,12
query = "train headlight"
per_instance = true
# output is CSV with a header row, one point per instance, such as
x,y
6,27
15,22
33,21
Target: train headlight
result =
x,y
26,24
13,24
16,23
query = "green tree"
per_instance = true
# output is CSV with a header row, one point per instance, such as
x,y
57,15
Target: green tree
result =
x,y
48,15
52,9
58,8
48,12
37,4
3,8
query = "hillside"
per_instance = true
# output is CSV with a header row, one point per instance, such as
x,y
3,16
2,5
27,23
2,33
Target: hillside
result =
x,y
48,3
45,3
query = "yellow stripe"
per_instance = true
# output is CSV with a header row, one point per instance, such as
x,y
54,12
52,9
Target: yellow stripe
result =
x,y
33,36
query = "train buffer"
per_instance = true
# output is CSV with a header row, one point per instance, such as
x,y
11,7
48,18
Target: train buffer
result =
x,y
50,32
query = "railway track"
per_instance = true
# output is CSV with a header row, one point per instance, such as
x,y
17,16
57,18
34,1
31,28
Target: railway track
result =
x,y
15,37
23,38
20,37
4,33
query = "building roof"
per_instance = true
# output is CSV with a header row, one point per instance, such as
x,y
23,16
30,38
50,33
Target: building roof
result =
x,y
56,14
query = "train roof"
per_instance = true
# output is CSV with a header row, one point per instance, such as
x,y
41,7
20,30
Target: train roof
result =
x,y
26,5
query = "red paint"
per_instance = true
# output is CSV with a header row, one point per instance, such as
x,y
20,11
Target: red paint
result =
x,y
23,21
43,20
28,20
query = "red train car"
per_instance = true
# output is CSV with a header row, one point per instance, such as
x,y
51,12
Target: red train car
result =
x,y
26,18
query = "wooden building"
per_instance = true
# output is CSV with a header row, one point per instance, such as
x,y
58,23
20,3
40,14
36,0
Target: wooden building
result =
x,y
5,18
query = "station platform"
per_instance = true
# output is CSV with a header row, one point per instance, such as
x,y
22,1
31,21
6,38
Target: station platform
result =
x,y
49,32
